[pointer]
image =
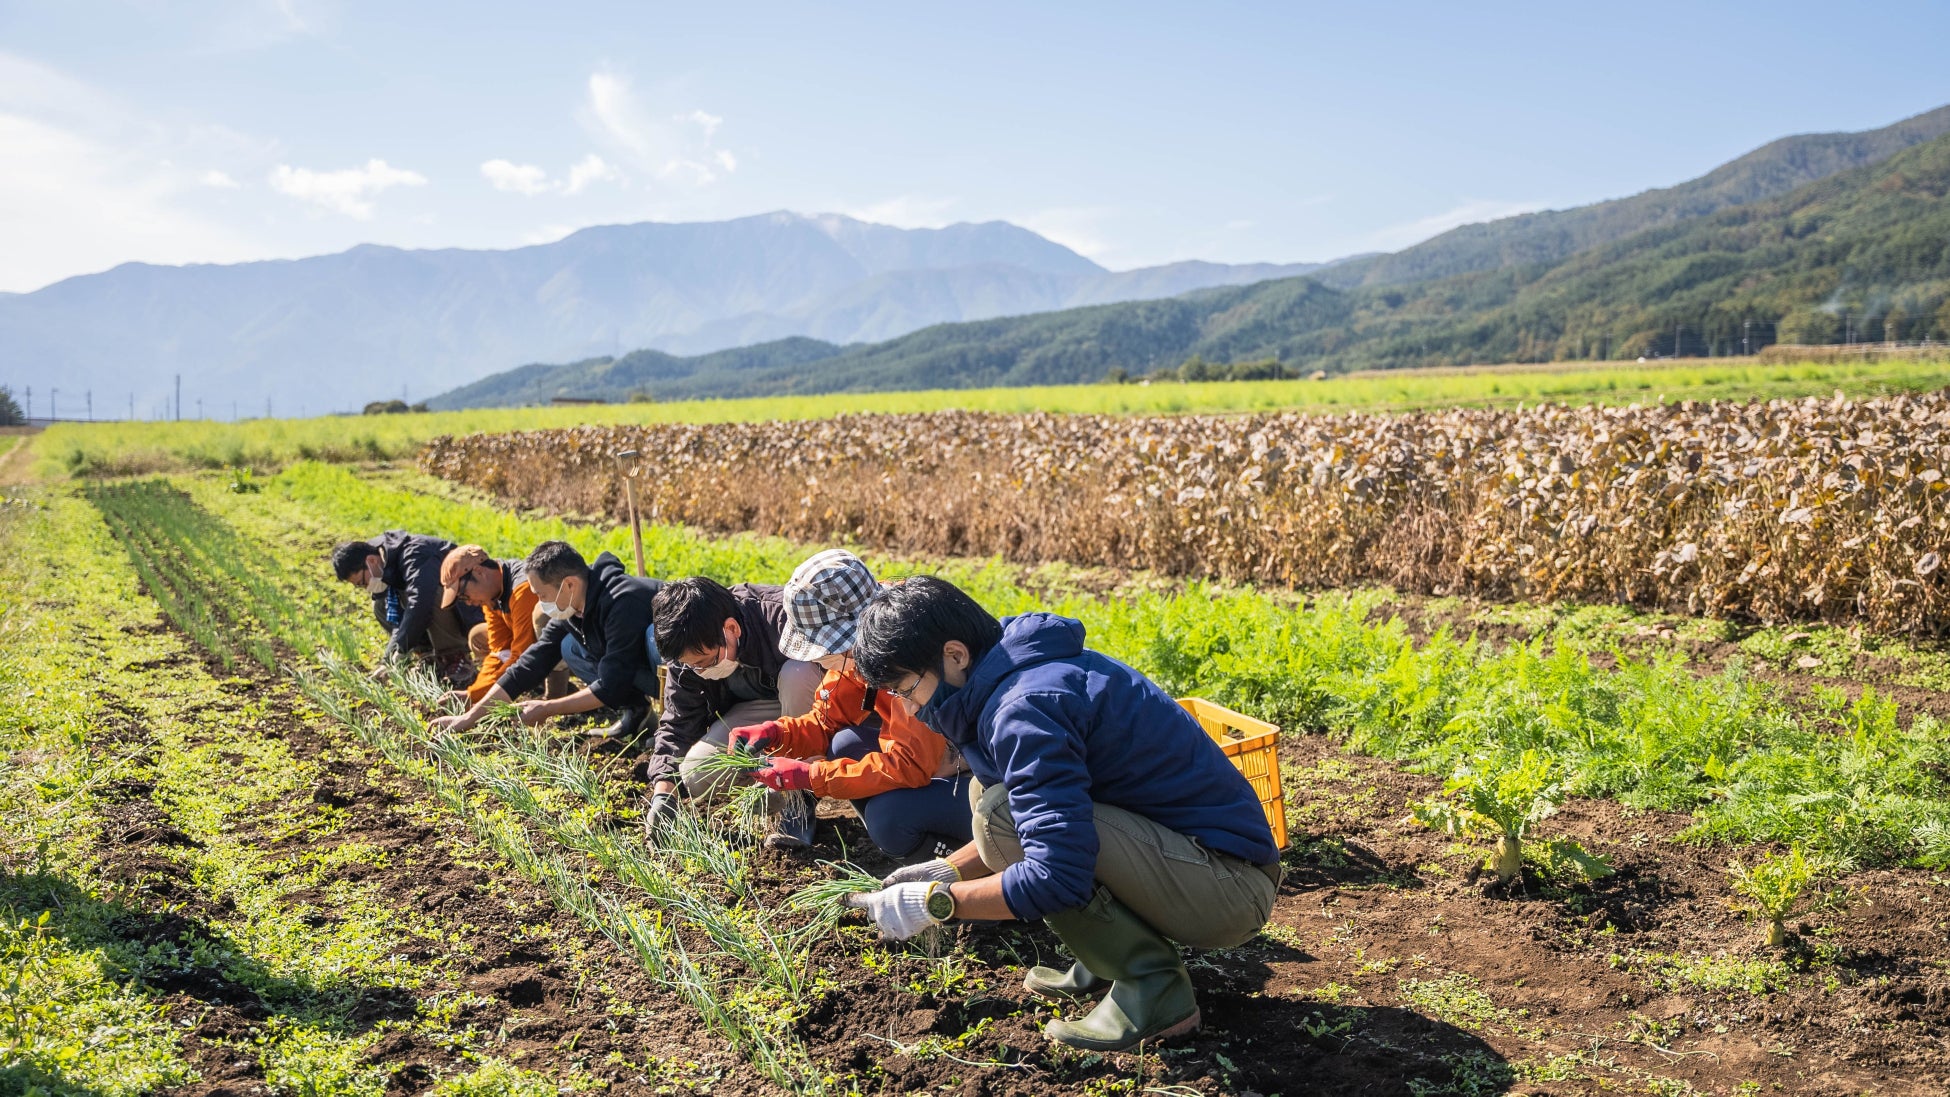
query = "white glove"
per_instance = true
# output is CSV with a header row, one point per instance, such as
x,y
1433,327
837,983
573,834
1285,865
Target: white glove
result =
x,y
900,911
937,871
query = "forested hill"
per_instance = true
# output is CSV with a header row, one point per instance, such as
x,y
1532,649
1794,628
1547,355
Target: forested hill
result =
x,y
1774,169
1873,241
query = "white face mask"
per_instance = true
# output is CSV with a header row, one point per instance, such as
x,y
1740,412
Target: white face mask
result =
x,y
375,584
719,670
556,611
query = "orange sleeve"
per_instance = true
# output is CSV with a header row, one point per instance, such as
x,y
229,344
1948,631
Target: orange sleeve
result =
x,y
838,703
510,633
909,753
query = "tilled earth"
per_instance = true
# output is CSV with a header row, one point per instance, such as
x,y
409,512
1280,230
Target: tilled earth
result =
x,y
1390,968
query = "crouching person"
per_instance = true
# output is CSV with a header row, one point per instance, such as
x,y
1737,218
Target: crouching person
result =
x,y
1100,806
603,607
726,671
509,608
858,743
400,571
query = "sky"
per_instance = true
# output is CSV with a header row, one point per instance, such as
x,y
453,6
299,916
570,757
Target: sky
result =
x,y
1135,133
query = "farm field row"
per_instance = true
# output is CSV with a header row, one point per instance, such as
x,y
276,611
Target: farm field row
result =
x,y
1386,970
1823,508
126,448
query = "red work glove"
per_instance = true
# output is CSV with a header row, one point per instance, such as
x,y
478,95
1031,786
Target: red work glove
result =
x,y
785,775
757,736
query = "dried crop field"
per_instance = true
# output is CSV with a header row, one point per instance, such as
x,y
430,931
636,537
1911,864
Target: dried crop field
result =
x,y
233,865
1816,509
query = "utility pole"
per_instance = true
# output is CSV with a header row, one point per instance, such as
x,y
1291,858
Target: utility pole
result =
x,y
91,405
53,404
199,408
1746,326
131,407
233,411
267,407
30,401
1675,339
179,397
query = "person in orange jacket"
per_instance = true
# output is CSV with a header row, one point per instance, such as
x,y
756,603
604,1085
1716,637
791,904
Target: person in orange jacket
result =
x,y
508,609
908,785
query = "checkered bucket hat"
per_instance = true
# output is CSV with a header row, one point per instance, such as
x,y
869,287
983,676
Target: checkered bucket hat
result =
x,y
823,600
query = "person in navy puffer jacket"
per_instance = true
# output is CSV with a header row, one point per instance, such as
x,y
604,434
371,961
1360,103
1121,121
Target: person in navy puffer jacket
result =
x,y
1100,807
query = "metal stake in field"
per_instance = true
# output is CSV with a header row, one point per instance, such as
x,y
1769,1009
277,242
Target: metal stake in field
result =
x,y
629,492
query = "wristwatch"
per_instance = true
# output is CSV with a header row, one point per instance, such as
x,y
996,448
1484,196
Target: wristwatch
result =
x,y
941,903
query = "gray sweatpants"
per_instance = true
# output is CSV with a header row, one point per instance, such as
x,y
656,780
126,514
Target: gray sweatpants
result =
x,y
1185,891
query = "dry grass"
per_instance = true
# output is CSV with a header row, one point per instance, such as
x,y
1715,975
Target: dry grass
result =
x,y
1812,509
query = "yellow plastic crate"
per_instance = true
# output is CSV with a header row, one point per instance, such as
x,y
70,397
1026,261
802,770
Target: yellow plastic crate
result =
x,y
1254,746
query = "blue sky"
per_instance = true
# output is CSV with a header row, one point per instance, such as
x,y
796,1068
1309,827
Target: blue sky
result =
x,y
1137,133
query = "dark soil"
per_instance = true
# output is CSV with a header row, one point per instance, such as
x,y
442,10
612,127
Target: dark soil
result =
x,y
1390,968
1317,1005
553,997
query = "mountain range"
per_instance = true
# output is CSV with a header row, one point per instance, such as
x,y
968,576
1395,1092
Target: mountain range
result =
x,y
785,302
1782,243
334,331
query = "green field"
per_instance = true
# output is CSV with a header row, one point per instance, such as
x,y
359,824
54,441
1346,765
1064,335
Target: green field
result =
x,y
291,790
134,448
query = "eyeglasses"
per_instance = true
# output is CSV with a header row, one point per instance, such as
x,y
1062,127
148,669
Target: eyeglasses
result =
x,y
908,693
460,587
717,656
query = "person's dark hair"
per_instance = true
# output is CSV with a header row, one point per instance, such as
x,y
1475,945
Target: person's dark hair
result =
x,y
690,614
349,558
554,561
905,626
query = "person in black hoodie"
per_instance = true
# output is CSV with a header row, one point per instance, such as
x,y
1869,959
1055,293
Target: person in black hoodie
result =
x,y
608,611
726,671
401,572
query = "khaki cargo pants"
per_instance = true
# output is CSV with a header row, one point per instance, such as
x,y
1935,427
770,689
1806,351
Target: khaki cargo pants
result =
x,y
1188,893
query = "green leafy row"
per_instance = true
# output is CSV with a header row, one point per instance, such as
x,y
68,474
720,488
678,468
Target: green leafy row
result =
x,y
1751,764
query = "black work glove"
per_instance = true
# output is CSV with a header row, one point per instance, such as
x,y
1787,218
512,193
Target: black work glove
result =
x,y
657,817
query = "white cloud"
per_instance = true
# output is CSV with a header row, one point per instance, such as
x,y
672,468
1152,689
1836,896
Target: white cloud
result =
x,y
519,178
218,179
1471,211
531,180
907,211
86,182
349,191
675,146
590,169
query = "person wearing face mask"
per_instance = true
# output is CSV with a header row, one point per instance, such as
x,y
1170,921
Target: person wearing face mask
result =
x,y
857,743
726,671
606,611
1100,807
401,573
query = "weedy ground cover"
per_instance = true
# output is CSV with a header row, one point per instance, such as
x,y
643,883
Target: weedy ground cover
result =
x,y
180,899
1372,903
1752,764
1818,509
106,449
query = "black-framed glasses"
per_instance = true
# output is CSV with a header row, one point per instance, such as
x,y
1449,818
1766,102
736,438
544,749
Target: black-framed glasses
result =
x,y
908,693
460,586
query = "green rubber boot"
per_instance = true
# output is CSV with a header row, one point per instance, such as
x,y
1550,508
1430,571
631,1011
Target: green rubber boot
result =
x,y
1074,985
1150,995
